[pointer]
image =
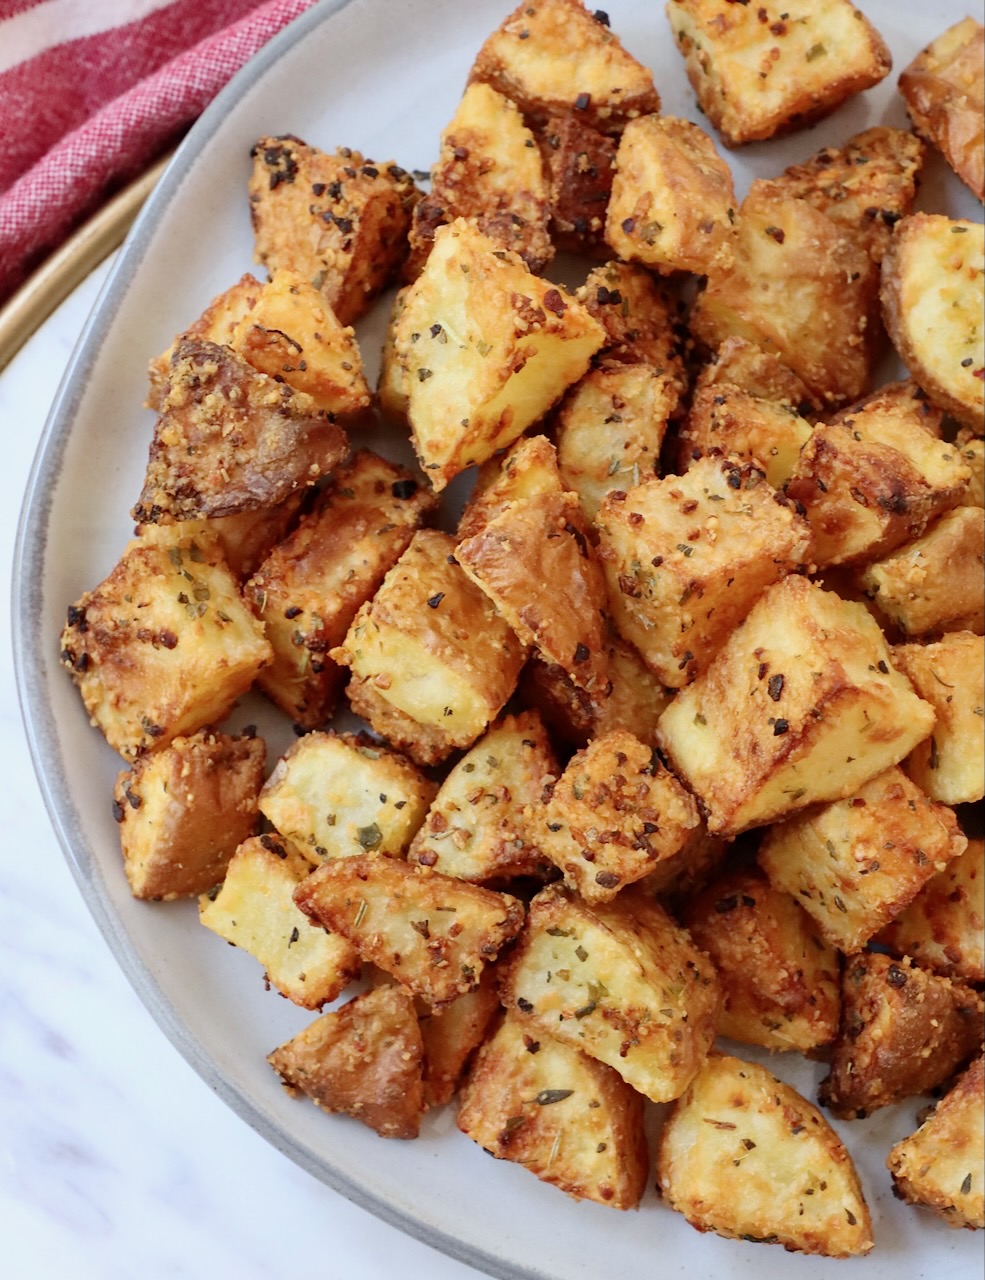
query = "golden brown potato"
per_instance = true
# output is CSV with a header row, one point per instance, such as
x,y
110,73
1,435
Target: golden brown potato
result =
x,y
800,706
741,363
528,469
580,162
244,540
451,1036
551,1108
642,318
972,450
723,418
743,1154
940,1166
944,91
365,1060
904,1031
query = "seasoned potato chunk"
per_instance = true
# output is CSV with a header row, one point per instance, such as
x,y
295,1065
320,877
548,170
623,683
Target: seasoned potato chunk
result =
x,y
431,645
972,450
163,646
337,795
856,863
340,220
940,1166
365,1060
799,706
527,470
738,362
451,1036
183,810
254,909
760,72
614,814
686,557
641,316
933,302
619,980
950,675
580,163
726,419
556,56
779,979
944,91
432,933
904,1031
481,824
551,1108
743,1154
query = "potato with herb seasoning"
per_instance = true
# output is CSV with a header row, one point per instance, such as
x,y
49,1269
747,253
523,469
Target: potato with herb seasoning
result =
x,y
643,318
579,162
723,418
452,1034
740,362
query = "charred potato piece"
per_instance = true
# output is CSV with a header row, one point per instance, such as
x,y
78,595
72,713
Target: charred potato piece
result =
x,y
451,1036
725,419
740,362
642,317
580,163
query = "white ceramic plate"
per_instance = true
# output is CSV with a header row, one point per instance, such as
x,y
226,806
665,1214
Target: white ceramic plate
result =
x,y
384,77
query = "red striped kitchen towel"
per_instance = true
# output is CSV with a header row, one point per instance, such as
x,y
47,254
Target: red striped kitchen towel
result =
x,y
92,91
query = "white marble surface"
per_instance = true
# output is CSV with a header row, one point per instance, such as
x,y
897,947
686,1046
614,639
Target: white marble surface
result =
x,y
116,1160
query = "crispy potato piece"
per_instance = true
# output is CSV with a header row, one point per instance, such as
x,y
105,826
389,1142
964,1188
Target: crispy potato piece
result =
x,y
163,646
230,439
339,220
933,299
490,170
972,450
254,909
867,185
480,349
800,706
528,469
619,980
856,863
741,363
307,591
950,675
940,1166
758,73
614,814
642,317
944,91
779,979
743,1154
555,56
943,928
802,288
481,825
904,1031
686,557
451,1036
183,810
431,645
551,1108
432,933
934,584
676,879
365,1060
725,419
244,540
338,795
580,163
673,202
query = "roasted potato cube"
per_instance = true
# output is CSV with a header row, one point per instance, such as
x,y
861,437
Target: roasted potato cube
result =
x,y
972,450
551,1108
614,814
686,557
230,439
340,220
944,91
779,979
619,980
642,318
725,419
365,1060
489,170
451,1036
802,288
481,825
904,1031
737,362
555,56
856,863
800,706
309,588
940,1166
480,349
183,810
163,646
673,202
867,185
528,469
244,540
933,301
431,645
338,795
934,584
430,932
950,675
254,909
760,72
580,162
743,1154
943,928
